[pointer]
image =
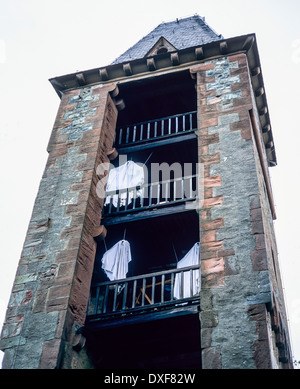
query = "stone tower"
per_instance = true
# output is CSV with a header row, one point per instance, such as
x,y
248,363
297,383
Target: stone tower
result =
x,y
178,268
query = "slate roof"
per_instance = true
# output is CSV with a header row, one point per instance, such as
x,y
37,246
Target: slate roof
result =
x,y
181,33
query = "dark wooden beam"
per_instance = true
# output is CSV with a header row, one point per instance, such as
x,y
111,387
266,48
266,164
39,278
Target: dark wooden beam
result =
x,y
156,143
142,215
118,320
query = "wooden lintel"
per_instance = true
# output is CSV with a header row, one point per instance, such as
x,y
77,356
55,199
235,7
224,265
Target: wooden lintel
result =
x,y
119,320
134,216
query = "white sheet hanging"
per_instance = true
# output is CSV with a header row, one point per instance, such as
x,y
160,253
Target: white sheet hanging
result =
x,y
115,260
190,259
125,176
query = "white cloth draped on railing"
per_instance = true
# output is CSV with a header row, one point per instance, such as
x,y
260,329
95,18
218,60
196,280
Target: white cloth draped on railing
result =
x,y
125,176
115,260
190,259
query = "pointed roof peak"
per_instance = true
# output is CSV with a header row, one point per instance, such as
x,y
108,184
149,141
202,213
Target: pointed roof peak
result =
x,y
179,34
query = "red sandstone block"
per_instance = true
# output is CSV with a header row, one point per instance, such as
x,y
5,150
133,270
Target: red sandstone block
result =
x,y
211,246
50,354
212,225
59,292
255,202
208,255
226,253
213,181
208,236
213,280
256,214
257,227
241,58
259,260
210,122
210,158
260,242
67,255
213,265
208,139
212,201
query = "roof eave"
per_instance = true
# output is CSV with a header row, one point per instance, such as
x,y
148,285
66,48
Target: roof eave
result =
x,y
116,72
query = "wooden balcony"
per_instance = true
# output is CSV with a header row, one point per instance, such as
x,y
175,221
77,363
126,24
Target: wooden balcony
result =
x,y
146,293
147,197
160,131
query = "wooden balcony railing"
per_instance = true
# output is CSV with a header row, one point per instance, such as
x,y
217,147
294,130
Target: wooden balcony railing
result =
x,y
156,129
151,195
145,292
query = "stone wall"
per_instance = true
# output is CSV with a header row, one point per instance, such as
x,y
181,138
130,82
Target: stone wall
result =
x,y
51,287
235,272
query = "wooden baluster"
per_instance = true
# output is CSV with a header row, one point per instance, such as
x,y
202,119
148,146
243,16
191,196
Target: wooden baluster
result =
x,y
191,121
125,296
148,130
134,134
183,123
167,191
172,286
181,294
134,198
119,201
174,192
143,291
191,283
115,297
158,192
120,136
170,124
127,198
110,204
141,132
191,187
162,127
155,129
127,134
150,195
162,288
105,299
134,293
153,290
176,124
